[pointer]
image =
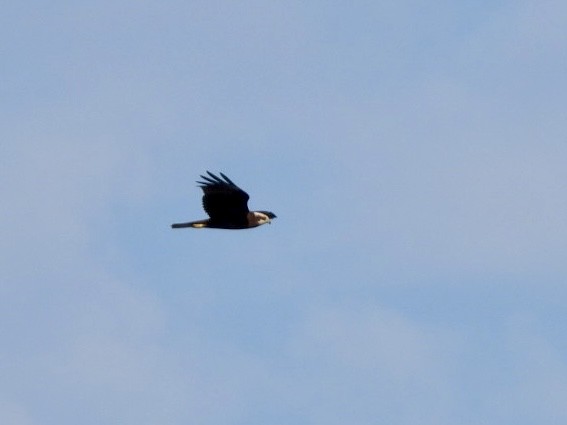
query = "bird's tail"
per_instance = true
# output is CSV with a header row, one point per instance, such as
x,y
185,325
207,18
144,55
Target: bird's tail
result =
x,y
194,224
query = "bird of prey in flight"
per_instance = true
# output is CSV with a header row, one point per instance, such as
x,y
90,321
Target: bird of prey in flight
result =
x,y
227,206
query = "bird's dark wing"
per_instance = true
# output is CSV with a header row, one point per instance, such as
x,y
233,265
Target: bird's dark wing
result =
x,y
223,200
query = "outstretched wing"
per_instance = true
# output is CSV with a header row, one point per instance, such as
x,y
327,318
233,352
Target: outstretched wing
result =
x,y
223,200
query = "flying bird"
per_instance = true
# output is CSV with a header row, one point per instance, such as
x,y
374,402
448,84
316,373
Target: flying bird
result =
x,y
227,206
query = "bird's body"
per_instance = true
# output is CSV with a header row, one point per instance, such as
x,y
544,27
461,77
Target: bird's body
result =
x,y
227,206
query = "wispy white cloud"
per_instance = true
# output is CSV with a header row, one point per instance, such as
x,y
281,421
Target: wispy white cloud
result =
x,y
367,363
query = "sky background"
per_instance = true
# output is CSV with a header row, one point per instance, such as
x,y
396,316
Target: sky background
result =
x,y
415,153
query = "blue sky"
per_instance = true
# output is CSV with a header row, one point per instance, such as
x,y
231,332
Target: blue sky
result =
x,y
416,157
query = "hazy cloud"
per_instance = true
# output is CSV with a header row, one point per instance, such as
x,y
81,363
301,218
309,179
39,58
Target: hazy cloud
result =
x,y
414,155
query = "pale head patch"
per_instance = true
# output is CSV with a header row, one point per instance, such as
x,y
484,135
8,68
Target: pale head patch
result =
x,y
257,219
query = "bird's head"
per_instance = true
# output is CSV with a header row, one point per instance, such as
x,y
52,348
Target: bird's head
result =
x,y
264,217
269,214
